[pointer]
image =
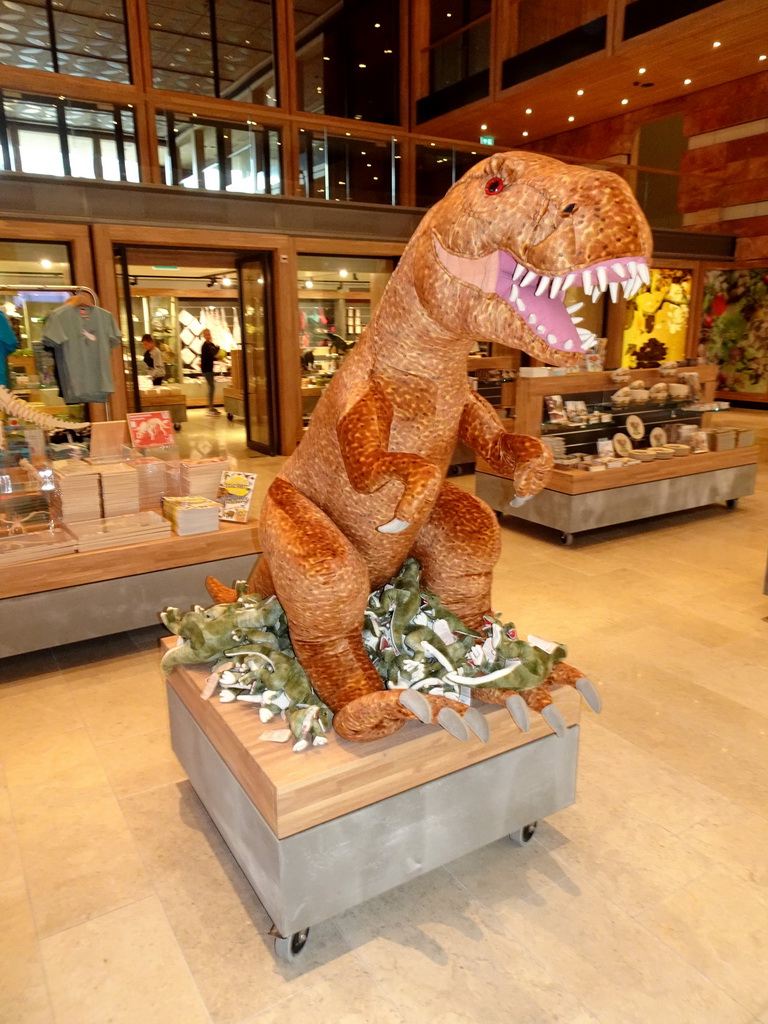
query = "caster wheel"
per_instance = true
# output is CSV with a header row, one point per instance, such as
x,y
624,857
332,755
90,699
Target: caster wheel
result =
x,y
291,948
524,835
732,503
177,426
566,539
230,417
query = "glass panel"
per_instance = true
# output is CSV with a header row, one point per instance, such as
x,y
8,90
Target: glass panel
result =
x,y
347,169
219,48
347,59
461,57
438,169
337,296
261,415
219,156
449,16
69,138
88,38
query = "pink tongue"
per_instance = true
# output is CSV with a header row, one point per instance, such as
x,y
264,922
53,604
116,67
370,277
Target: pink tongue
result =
x,y
551,314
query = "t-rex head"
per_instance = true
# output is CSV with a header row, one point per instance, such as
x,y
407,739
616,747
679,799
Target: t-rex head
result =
x,y
493,259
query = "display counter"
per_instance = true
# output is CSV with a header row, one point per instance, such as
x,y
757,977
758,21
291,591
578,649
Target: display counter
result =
x,y
73,597
318,832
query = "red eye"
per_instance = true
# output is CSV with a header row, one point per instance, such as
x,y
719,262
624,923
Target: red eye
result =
x,y
493,186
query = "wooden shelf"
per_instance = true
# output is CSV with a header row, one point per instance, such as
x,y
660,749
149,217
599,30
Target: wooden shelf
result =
x,y
294,792
45,574
581,481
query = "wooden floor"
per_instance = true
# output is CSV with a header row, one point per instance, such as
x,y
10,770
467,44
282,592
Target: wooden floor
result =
x,y
646,902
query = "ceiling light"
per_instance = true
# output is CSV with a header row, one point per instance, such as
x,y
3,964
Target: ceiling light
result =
x,y
431,143
226,282
525,133
687,81
309,284
529,111
761,57
641,71
387,51
260,280
346,133
46,264
579,92
362,65
326,58
571,118
483,127
343,273
377,25
715,45
623,102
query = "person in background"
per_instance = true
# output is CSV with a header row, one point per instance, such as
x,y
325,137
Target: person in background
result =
x,y
8,343
153,357
208,355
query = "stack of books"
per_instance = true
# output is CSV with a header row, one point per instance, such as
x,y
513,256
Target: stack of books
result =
x,y
119,489
78,492
152,485
191,514
201,476
119,530
26,547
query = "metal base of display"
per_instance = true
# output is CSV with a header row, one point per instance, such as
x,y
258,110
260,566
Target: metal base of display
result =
x,y
308,877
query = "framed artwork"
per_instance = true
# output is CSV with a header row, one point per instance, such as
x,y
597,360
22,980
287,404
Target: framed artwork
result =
x,y
734,328
656,319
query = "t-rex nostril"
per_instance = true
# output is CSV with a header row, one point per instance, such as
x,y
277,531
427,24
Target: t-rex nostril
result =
x,y
569,209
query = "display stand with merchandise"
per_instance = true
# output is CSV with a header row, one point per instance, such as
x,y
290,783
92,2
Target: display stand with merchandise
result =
x,y
319,832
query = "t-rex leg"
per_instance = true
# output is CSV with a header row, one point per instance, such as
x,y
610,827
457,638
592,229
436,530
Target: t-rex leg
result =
x,y
458,547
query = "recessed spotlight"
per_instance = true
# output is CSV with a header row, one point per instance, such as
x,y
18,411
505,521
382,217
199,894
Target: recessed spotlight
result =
x,y
46,264
641,71
226,282
346,133
431,143
571,118
260,280
377,25
343,273
528,110
715,45
309,284
579,92
362,65
525,133
483,127
687,81
326,58
623,102
761,57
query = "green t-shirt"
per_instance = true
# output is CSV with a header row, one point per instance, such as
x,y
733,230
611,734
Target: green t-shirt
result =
x,y
84,337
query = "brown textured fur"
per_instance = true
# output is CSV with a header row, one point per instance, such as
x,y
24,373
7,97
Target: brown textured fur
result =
x,y
381,438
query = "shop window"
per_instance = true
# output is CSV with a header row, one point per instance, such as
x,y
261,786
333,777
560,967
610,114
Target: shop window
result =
x,y
347,59
222,48
219,156
85,38
459,56
67,138
437,169
343,169
337,296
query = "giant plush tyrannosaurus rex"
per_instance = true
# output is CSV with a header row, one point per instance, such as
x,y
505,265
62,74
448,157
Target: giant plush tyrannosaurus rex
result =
x,y
366,487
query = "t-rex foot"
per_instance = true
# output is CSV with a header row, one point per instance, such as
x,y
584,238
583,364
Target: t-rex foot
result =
x,y
380,714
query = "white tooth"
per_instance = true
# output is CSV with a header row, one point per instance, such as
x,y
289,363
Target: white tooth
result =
x,y
519,271
532,319
632,268
596,294
627,288
589,343
613,287
520,305
577,320
635,285
583,332
644,272
568,282
568,344
551,339
514,294
542,285
602,278
586,277
541,329
530,276
574,308
557,284
618,270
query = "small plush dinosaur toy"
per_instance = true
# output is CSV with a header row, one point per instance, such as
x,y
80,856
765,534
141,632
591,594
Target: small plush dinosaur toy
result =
x,y
366,487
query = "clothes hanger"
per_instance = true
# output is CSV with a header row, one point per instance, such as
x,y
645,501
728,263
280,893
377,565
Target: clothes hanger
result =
x,y
80,299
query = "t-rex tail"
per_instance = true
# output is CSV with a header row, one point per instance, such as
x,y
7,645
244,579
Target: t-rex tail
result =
x,y
259,582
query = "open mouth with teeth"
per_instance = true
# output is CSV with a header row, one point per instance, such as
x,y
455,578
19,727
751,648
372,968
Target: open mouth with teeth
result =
x,y
539,299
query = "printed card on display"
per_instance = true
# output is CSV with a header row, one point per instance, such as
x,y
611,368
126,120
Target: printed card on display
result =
x,y
235,493
151,429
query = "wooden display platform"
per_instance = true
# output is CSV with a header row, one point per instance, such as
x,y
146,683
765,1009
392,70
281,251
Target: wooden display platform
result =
x,y
294,792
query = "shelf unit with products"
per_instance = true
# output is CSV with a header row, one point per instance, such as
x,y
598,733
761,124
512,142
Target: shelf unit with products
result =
x,y
580,499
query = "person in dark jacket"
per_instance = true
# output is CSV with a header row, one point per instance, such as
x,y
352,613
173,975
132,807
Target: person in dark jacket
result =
x,y
208,355
153,357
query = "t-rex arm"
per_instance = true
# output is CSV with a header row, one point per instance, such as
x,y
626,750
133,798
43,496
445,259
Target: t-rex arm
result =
x,y
480,430
363,434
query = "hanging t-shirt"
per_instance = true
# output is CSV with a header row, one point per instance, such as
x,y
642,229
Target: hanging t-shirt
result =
x,y
83,338
8,343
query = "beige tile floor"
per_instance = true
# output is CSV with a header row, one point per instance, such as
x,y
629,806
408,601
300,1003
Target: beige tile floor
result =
x,y
646,902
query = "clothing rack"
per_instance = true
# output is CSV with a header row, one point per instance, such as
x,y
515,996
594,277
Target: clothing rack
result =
x,y
74,288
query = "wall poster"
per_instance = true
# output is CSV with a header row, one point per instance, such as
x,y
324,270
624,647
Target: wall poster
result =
x,y
656,320
734,328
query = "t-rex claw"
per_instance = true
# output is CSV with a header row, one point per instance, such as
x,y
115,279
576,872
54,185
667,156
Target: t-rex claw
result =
x,y
554,720
477,724
517,707
589,692
453,723
417,704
